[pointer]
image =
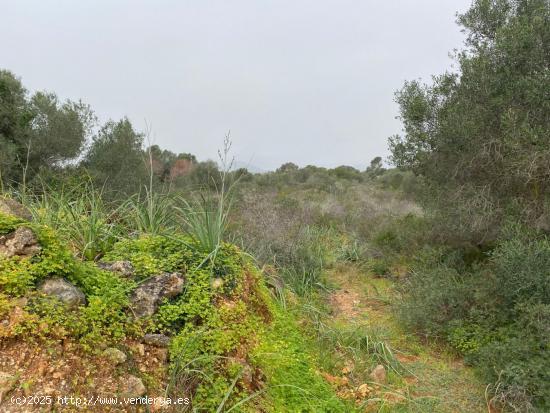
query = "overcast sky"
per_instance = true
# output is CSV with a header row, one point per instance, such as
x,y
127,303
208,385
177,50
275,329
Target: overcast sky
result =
x,y
305,81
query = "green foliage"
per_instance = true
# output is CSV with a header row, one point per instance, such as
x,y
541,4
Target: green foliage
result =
x,y
302,269
116,160
403,235
150,214
102,320
150,255
379,266
489,121
351,251
206,219
9,223
37,131
18,274
495,311
81,216
292,384
347,172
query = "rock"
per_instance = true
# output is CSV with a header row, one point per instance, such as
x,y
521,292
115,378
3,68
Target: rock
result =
x,y
251,378
14,208
146,298
125,268
7,383
21,242
217,283
162,354
133,387
64,291
140,348
363,390
115,355
157,340
378,374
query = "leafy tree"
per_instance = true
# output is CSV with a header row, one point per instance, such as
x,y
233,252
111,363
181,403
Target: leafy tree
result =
x,y
167,165
480,136
288,167
37,132
375,168
346,172
116,160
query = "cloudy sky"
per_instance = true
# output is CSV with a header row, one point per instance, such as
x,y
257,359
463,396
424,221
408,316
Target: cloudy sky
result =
x,y
305,81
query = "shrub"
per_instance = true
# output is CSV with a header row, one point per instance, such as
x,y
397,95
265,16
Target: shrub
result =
x,y
19,274
495,311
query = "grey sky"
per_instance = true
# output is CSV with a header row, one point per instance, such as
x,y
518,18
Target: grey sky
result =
x,y
305,81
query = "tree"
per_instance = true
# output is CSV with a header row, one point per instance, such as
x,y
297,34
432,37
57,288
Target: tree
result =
x,y
480,137
375,168
37,132
346,172
288,167
168,166
116,160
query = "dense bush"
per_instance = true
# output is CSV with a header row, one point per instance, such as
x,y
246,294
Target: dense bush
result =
x,y
495,311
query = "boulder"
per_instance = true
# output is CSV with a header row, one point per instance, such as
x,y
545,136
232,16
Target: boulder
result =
x,y
124,268
14,208
115,355
157,340
20,242
7,383
378,374
64,291
133,387
146,298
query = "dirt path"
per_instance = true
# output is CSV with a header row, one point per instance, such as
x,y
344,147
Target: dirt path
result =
x,y
421,377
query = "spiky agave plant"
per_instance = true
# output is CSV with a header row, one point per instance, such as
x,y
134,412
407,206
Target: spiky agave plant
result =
x,y
151,214
81,216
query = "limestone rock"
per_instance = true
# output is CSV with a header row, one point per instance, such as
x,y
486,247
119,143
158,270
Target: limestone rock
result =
x,y
124,268
363,391
146,298
140,349
133,387
158,340
21,242
378,374
14,208
64,291
115,355
7,383
217,283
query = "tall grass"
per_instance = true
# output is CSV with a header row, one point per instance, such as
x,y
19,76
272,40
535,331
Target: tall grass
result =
x,y
302,270
81,216
151,214
205,216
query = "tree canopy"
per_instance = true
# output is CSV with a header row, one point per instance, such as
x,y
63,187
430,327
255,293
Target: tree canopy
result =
x,y
481,135
37,131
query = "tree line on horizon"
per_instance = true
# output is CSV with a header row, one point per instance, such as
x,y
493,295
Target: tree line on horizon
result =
x,y
45,141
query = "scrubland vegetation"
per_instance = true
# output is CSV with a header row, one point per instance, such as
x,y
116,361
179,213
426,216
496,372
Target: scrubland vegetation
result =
x,y
420,287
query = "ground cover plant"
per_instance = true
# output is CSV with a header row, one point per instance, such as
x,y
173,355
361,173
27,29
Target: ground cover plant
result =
x,y
421,283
